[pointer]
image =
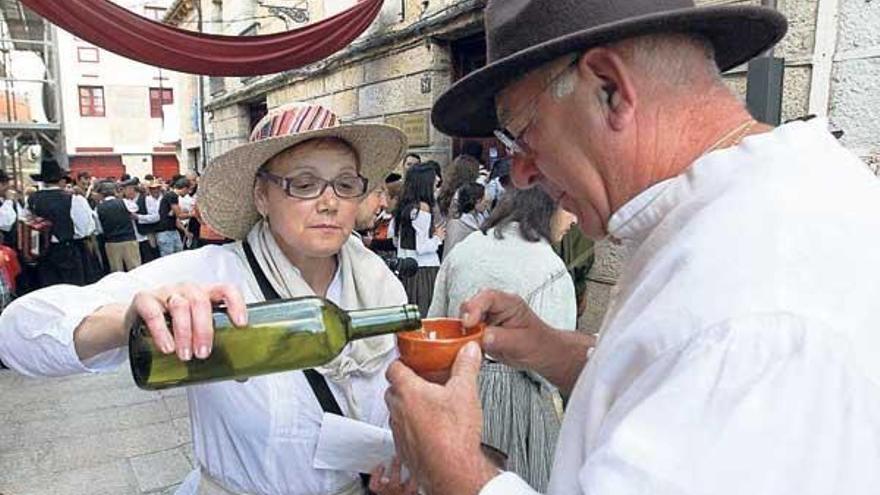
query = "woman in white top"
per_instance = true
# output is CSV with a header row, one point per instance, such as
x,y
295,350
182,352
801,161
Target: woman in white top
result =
x,y
415,234
513,253
290,196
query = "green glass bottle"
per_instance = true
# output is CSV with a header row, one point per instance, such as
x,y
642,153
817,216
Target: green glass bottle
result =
x,y
280,335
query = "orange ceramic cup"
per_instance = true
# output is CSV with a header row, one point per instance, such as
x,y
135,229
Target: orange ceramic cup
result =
x,y
432,358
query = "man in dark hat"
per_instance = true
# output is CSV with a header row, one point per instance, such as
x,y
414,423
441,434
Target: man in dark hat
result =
x,y
71,221
738,353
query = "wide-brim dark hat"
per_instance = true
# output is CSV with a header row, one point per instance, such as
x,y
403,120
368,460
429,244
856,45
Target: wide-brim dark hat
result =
x,y
524,34
50,171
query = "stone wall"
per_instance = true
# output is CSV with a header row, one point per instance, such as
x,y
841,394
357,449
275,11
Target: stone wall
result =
x,y
389,83
855,77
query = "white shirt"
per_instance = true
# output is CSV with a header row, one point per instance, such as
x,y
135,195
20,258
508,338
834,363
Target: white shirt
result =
x,y
131,205
425,252
8,215
257,437
187,203
152,205
739,353
84,223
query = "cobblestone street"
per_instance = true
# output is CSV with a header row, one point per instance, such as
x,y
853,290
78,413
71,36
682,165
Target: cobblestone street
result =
x,y
90,434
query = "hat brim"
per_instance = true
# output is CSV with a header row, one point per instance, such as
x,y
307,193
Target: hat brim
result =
x,y
738,34
45,178
226,189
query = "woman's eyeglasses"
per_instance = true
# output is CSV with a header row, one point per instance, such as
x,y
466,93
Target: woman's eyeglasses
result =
x,y
308,186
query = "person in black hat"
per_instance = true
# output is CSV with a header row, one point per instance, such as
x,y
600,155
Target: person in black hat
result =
x,y
71,221
735,357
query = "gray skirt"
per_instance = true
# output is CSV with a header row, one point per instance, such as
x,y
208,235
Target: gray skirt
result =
x,y
521,418
420,287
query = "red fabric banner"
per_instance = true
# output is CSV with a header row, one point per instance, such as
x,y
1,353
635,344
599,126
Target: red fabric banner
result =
x,y
121,31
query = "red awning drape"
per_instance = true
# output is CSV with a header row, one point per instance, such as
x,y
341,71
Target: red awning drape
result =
x,y
121,31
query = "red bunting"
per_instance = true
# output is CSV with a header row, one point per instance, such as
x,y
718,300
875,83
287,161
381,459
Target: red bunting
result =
x,y
121,31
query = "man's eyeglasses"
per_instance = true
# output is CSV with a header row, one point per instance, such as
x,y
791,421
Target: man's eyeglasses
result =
x,y
308,186
512,140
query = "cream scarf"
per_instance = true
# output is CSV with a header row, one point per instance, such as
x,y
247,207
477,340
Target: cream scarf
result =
x,y
366,283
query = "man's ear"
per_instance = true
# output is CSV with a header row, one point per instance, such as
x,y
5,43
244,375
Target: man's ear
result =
x,y
615,87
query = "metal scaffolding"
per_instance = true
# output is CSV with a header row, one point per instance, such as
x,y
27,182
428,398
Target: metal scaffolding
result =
x,y
22,31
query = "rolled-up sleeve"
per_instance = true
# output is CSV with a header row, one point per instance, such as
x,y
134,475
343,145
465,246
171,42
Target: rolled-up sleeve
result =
x,y
37,330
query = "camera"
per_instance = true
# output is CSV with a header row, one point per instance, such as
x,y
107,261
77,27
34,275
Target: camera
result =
x,y
402,267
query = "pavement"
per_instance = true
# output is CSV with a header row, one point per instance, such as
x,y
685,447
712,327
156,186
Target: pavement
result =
x,y
91,434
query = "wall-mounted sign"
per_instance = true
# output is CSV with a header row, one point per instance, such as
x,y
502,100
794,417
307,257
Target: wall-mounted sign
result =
x,y
414,125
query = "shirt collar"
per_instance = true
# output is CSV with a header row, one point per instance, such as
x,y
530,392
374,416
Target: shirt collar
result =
x,y
637,217
633,221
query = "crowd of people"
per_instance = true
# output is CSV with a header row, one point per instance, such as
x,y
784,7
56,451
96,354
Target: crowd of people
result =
x,y
76,229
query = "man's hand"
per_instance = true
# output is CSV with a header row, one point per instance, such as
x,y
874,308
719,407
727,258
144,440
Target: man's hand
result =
x,y
390,482
438,428
516,336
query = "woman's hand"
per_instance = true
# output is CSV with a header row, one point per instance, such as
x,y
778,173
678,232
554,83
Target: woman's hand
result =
x,y
190,307
390,483
440,232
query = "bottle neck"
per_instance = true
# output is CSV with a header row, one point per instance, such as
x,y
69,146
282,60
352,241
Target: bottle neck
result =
x,y
379,321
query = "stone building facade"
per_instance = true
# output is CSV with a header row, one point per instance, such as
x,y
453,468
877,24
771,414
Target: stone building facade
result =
x,y
417,48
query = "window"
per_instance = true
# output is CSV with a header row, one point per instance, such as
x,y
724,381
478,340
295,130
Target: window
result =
x,y
154,13
216,85
87,54
159,97
91,101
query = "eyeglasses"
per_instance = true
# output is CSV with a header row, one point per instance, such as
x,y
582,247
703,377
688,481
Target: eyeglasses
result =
x,y
513,141
308,186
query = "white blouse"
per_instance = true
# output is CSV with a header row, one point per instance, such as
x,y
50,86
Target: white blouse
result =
x,y
426,245
739,353
256,437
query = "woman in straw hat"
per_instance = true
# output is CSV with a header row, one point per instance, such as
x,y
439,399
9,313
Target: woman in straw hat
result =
x,y
290,198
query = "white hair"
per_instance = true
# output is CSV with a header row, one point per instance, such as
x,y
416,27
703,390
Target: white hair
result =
x,y
672,59
669,60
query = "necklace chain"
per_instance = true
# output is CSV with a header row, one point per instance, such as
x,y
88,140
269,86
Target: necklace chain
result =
x,y
738,133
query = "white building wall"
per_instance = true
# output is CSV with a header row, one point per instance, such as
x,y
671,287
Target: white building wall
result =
x,y
854,104
127,126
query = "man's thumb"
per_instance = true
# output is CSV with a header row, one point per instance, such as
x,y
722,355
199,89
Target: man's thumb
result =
x,y
467,363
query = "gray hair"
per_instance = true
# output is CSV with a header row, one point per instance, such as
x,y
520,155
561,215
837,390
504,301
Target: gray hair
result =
x,y
672,60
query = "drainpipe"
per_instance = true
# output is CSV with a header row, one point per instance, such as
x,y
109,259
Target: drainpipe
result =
x,y
765,83
203,136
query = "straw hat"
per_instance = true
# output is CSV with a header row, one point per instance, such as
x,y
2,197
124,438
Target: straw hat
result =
x,y
521,35
226,189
